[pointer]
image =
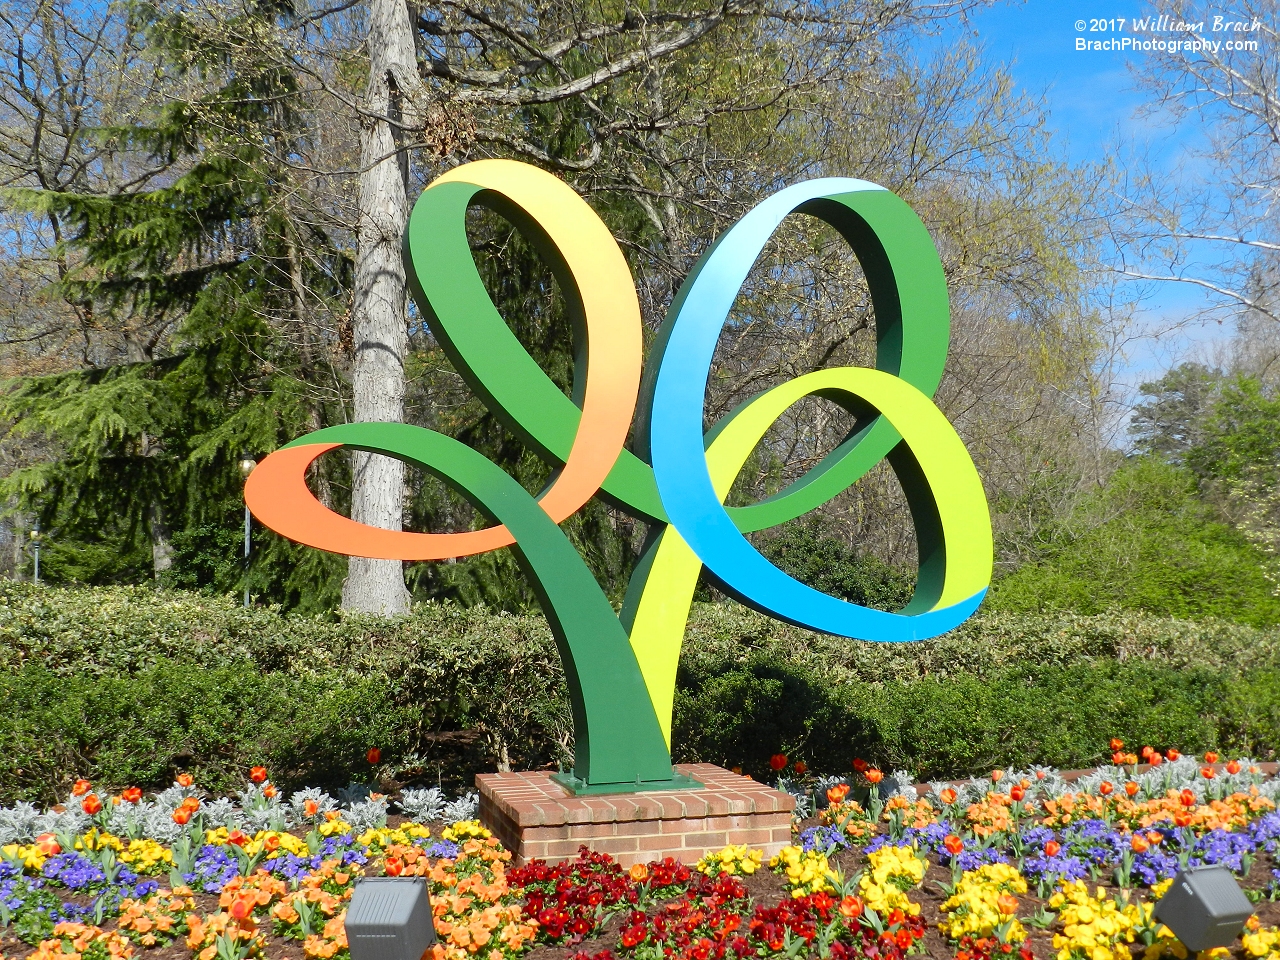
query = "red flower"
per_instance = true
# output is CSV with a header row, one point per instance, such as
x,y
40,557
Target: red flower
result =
x,y
91,804
874,775
1155,760
374,756
1172,754
953,844
778,762
1052,848
48,844
1210,757
1017,792
258,774
182,816
851,908
1233,767
394,867
860,765
1105,787
632,935
131,794
310,808
185,780
237,838
1118,759
837,793
241,908
1147,752
81,788
1182,819
801,767
1117,743
1208,772
1188,798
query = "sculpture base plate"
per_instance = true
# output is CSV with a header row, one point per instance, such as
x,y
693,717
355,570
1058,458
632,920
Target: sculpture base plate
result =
x,y
537,818
580,788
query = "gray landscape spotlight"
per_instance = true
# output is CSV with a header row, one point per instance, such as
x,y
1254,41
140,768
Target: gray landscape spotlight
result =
x,y
390,919
1204,907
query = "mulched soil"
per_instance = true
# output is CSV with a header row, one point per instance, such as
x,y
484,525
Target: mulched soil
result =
x,y
766,888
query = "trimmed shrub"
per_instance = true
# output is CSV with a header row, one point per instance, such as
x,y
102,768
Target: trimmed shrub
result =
x,y
127,685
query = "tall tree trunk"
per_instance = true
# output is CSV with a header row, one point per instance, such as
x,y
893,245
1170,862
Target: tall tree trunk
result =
x,y
378,314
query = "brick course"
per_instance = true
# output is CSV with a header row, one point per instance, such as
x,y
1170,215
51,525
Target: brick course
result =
x,y
535,817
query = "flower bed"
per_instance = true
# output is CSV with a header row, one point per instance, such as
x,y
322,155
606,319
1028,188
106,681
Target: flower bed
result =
x,y
1016,864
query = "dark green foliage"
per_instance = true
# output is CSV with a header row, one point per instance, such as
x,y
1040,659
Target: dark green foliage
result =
x,y
189,278
1171,422
126,685
213,721
963,724
814,557
1145,541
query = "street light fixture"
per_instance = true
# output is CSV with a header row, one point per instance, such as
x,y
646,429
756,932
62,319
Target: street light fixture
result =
x,y
247,463
36,539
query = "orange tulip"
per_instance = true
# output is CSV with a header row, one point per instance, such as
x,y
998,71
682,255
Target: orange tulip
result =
x,y
81,788
837,793
851,908
801,767
310,808
948,796
1138,844
1233,767
1017,792
997,776
1131,788
237,838
778,762
1208,772
91,804
131,794
258,774
1052,848
374,756
191,803
1147,752
394,867
874,776
182,816
1210,756
1172,754
1105,787
1188,798
1008,905
1118,759
639,872
1117,743
269,791
185,780
953,844
241,908
1182,819
1155,760
48,845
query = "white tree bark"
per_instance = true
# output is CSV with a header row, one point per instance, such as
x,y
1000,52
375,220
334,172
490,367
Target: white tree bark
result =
x,y
378,312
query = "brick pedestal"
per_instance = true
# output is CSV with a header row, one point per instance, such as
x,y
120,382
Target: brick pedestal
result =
x,y
537,818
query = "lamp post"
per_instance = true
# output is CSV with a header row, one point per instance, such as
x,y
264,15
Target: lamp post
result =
x,y
36,538
247,463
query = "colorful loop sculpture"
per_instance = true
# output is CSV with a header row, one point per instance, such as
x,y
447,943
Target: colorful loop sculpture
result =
x,y
621,669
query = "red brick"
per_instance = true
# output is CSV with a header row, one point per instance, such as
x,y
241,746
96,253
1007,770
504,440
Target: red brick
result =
x,y
612,845
659,842
706,841
590,831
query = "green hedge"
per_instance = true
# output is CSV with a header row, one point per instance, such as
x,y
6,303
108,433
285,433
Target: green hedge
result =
x,y
127,685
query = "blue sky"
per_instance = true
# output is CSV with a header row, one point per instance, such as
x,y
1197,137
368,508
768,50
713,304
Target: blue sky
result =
x,y
1094,103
